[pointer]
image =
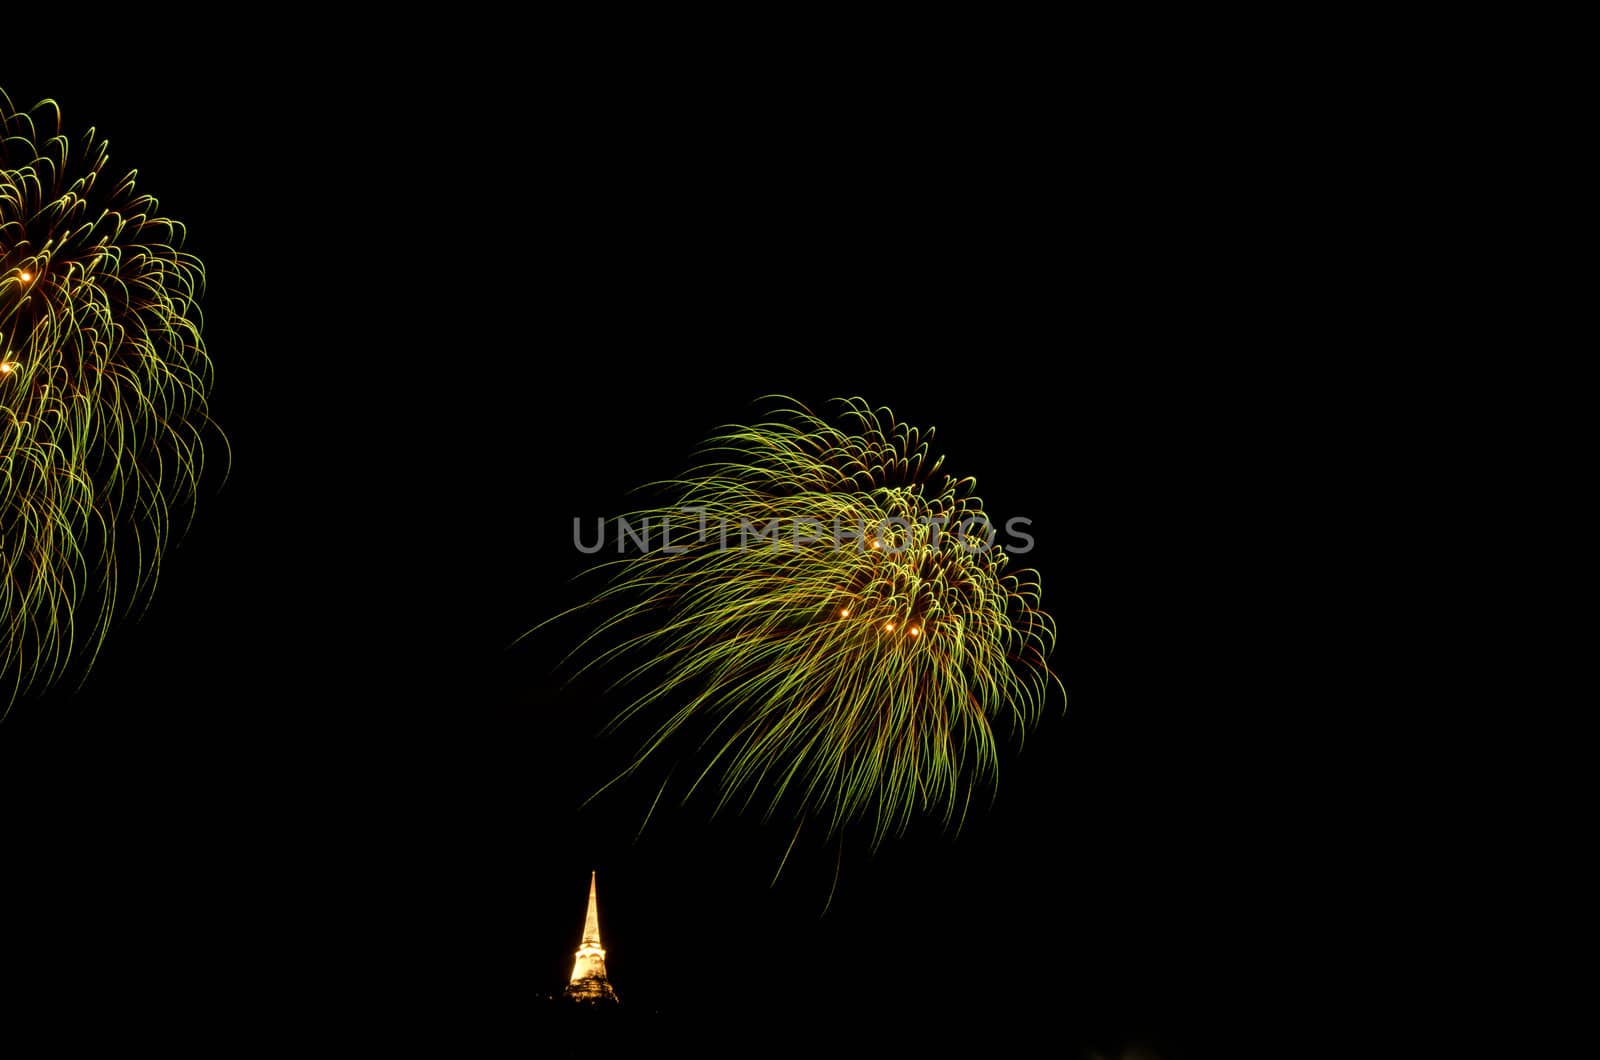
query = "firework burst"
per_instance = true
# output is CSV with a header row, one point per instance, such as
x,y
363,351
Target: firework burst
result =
x,y
103,385
822,610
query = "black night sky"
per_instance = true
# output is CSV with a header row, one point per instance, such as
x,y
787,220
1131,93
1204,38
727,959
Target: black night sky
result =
x,y
318,778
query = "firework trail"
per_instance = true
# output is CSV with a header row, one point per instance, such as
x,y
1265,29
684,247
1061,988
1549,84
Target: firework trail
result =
x,y
103,385
849,659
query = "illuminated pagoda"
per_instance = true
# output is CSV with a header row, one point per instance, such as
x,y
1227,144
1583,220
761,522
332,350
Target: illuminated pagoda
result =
x,y
589,982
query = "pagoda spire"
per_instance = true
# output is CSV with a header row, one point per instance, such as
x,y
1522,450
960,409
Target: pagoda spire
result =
x,y
591,922
589,982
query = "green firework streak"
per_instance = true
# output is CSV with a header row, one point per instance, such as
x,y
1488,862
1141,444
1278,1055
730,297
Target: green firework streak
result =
x,y
853,660
103,385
